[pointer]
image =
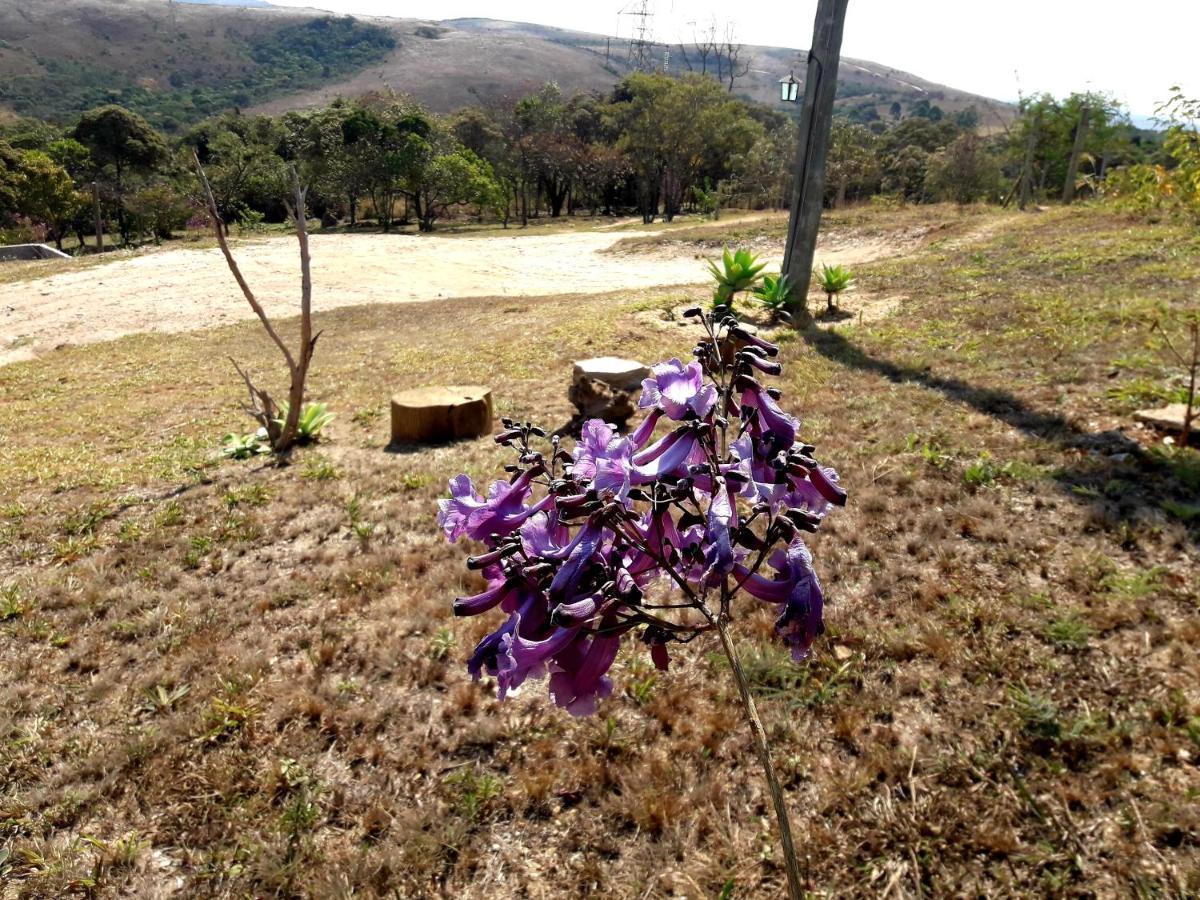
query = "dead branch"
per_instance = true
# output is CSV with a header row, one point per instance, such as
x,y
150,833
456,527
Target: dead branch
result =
x,y
263,409
218,228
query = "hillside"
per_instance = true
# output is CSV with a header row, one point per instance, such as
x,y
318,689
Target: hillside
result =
x,y
174,63
177,63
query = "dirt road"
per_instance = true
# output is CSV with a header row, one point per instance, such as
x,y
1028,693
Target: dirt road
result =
x,y
188,289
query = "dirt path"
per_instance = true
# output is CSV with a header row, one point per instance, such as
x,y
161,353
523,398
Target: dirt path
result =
x,y
184,290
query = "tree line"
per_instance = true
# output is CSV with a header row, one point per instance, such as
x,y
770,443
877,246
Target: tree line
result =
x,y
655,145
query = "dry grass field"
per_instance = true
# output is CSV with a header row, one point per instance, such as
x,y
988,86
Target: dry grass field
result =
x,y
235,679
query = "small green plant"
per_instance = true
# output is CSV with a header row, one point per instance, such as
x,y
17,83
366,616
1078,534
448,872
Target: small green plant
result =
x,y
773,294
442,643
161,699
244,446
1069,633
12,604
739,271
833,280
473,791
319,468
313,419
252,495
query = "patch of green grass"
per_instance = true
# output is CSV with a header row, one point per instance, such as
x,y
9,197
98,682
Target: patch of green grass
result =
x,y
1068,633
319,468
1132,586
1188,513
13,604
1142,392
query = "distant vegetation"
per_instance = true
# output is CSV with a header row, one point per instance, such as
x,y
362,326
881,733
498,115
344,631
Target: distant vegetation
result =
x,y
655,145
291,58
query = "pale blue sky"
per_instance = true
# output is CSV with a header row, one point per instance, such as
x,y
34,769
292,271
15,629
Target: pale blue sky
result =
x,y
1135,50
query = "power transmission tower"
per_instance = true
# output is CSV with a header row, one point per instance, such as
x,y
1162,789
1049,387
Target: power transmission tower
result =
x,y
641,43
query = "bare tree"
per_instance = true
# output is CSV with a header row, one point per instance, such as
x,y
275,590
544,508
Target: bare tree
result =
x,y
706,45
735,66
281,433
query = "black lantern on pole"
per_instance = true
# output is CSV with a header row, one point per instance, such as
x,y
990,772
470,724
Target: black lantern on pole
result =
x,y
789,88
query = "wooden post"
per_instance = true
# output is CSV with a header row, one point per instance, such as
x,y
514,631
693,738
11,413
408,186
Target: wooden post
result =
x,y
1081,131
816,120
99,218
1035,125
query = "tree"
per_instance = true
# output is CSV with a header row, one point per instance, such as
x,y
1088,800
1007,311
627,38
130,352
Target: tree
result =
x,y
678,132
121,144
281,424
10,168
852,161
46,194
450,175
160,209
244,171
966,171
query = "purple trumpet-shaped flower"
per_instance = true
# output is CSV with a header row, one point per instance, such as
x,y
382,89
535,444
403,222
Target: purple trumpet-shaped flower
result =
x,y
580,554
499,588
718,553
767,417
602,458
520,658
796,587
679,390
582,680
467,513
668,456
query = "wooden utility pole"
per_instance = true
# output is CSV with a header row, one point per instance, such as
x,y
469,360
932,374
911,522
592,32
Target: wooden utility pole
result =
x,y
99,218
1081,131
1034,125
816,119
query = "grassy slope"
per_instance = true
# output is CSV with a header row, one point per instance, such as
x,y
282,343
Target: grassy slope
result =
x,y
225,678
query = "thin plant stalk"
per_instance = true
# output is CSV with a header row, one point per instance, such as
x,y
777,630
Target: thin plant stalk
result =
x,y
763,746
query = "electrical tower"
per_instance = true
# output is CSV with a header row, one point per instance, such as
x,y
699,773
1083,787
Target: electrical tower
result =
x,y
641,41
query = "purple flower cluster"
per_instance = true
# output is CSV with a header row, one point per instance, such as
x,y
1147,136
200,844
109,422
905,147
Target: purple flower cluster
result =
x,y
629,533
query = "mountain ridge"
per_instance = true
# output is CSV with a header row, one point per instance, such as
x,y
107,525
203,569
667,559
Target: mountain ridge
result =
x,y
179,62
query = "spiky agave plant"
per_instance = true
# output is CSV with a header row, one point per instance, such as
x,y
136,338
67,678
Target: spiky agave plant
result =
x,y
833,280
739,271
774,294
313,419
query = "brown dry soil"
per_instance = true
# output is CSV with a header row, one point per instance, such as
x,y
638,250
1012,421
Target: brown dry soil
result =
x,y
238,679
184,289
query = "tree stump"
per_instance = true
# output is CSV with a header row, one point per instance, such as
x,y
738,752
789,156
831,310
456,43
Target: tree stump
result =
x,y
1168,418
607,388
444,413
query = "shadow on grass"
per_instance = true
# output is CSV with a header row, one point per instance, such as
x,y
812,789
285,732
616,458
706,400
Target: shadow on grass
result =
x,y
1115,475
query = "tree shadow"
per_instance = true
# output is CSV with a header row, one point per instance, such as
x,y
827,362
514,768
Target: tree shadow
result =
x,y
1115,475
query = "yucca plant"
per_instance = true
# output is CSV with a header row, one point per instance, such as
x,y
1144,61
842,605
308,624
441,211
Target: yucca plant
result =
x,y
739,271
833,280
774,293
313,419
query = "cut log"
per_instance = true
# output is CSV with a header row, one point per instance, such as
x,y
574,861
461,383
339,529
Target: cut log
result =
x,y
443,413
1168,418
621,374
607,388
